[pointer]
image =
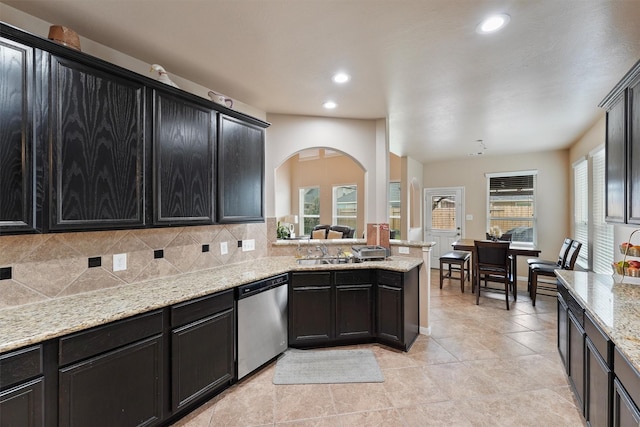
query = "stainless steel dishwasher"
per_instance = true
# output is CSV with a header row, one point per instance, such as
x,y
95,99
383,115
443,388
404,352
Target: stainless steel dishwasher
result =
x,y
262,322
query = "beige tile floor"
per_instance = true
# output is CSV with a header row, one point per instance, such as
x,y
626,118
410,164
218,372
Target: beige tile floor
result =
x,y
481,366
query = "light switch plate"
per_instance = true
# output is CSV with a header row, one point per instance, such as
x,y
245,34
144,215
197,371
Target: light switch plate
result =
x,y
248,245
403,249
224,249
119,262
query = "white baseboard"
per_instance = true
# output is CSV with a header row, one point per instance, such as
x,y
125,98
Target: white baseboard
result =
x,y
425,331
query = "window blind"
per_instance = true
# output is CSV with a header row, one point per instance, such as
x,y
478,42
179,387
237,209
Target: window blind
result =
x,y
603,246
511,205
581,211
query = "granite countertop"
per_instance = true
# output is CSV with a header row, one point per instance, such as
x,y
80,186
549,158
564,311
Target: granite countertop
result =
x,y
614,306
37,322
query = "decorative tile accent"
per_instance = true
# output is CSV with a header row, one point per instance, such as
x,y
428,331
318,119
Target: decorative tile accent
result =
x,y
5,273
95,262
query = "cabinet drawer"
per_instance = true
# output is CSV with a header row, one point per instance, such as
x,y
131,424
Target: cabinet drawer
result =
x,y
20,365
627,375
311,279
389,278
353,277
193,310
599,339
104,338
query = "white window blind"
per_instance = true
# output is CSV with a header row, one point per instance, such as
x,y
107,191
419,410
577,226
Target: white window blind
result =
x,y
345,205
581,210
512,204
602,232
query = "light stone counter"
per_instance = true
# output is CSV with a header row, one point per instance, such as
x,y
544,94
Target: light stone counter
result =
x,y
614,306
34,323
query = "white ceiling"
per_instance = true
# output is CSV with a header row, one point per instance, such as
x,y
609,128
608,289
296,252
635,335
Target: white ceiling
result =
x,y
534,86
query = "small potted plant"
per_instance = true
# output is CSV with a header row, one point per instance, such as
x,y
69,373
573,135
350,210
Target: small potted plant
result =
x,y
282,231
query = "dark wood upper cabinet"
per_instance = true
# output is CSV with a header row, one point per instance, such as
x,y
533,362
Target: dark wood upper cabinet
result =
x,y
97,148
616,160
16,139
622,168
183,141
633,149
240,171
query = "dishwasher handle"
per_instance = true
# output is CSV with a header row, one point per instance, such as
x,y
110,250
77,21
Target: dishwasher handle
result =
x,y
245,291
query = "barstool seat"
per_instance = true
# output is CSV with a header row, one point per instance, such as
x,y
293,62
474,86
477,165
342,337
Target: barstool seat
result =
x,y
457,261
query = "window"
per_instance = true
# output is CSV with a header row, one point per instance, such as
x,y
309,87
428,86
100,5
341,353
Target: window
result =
x,y
309,208
512,206
345,205
581,210
394,208
590,228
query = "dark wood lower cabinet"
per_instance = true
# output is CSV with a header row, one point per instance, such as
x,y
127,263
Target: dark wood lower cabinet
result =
x,y
625,412
310,309
119,388
339,307
576,359
598,378
354,319
23,406
201,357
563,332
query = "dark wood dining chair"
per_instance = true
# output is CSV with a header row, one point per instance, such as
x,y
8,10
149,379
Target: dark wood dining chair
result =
x,y
549,270
492,263
562,257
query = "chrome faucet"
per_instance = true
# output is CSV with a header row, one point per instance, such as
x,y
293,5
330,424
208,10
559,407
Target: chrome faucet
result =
x,y
323,248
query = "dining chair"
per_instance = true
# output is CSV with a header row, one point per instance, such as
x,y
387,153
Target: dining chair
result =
x,y
562,257
492,263
548,270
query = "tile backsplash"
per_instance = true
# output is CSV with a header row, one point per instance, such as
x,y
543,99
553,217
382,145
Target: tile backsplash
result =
x,y
48,266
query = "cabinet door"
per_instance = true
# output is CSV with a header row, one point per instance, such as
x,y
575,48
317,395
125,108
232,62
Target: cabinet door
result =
x,y
120,388
633,148
240,172
16,138
576,359
598,380
97,148
625,412
563,332
310,315
616,160
184,136
354,311
390,323
201,357
311,310
22,406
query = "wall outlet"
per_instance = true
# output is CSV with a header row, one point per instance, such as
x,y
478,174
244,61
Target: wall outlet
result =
x,y
248,245
403,250
119,262
224,249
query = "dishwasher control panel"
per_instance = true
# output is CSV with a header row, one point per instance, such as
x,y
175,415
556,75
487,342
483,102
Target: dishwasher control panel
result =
x,y
249,289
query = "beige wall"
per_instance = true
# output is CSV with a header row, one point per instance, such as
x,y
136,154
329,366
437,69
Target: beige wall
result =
x,y
552,192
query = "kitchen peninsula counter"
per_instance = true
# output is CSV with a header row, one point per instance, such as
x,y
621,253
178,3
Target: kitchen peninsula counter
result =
x,y
614,306
38,322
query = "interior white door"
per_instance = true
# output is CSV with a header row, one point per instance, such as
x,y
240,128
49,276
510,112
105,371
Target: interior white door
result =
x,y
444,214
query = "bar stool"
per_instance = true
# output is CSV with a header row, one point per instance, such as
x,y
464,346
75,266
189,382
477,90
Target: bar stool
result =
x,y
457,261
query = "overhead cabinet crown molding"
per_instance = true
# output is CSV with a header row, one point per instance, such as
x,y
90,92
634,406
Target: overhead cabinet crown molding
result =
x,y
88,145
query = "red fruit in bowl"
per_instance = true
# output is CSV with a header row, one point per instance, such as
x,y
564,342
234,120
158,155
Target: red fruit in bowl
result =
x,y
634,263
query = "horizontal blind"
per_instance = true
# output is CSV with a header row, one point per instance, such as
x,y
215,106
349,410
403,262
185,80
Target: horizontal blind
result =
x,y
602,232
581,211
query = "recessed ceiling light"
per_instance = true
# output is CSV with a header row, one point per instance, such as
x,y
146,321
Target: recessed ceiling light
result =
x,y
341,77
329,105
493,23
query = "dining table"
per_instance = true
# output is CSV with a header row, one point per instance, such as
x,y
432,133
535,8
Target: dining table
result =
x,y
515,249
